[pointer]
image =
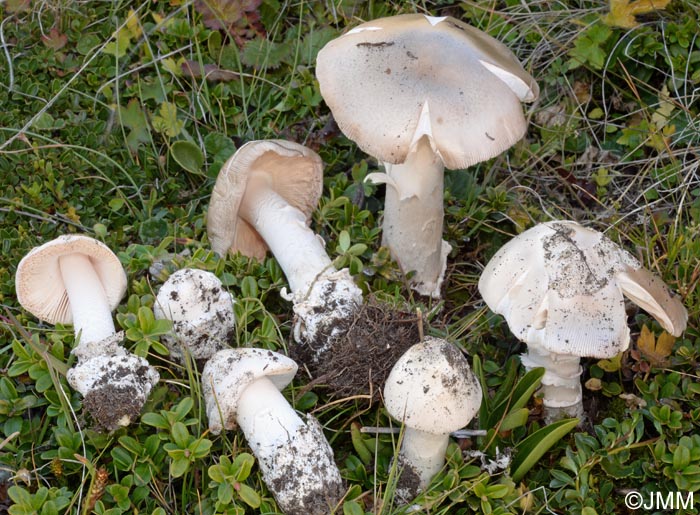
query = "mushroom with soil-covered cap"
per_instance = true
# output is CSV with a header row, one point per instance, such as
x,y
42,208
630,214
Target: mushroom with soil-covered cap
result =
x,y
560,287
78,280
201,311
241,387
432,390
421,93
263,197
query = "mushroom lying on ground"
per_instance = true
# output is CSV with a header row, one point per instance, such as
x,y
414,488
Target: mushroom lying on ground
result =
x,y
432,390
201,311
560,287
242,387
421,93
263,197
77,280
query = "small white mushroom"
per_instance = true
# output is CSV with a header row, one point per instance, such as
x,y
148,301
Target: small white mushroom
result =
x,y
432,390
241,388
201,311
263,197
78,280
560,287
420,94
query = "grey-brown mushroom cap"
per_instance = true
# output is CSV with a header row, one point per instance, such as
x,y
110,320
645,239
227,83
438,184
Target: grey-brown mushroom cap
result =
x,y
561,286
293,171
229,372
39,284
377,77
432,388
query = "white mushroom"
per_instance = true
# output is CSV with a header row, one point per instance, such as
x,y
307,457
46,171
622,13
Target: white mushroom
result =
x,y
432,390
263,197
241,387
421,93
201,311
78,280
560,287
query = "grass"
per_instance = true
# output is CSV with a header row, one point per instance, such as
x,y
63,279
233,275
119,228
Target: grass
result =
x,y
107,128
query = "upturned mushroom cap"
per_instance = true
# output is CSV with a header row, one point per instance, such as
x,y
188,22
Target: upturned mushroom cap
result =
x,y
227,374
291,170
560,286
201,311
432,388
40,287
391,80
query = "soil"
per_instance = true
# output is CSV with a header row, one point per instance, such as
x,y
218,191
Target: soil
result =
x,y
363,353
108,404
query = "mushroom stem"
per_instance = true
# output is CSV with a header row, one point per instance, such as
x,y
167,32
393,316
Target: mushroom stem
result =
x,y
92,317
297,249
424,453
562,395
413,216
266,418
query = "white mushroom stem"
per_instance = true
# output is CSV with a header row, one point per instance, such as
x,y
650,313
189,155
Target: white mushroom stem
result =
x,y
413,216
92,317
266,418
561,383
296,247
424,453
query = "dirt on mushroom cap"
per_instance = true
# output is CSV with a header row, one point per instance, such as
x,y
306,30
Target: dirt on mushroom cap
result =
x,y
362,355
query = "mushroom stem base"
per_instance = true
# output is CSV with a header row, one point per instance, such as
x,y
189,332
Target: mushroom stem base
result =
x,y
294,456
422,456
561,383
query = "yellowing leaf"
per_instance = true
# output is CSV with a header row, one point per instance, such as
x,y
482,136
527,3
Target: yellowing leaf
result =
x,y
612,364
120,45
623,12
133,24
655,349
662,114
166,121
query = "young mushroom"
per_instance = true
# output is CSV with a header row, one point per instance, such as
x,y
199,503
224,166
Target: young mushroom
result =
x,y
78,280
263,197
433,392
560,287
420,94
241,387
201,311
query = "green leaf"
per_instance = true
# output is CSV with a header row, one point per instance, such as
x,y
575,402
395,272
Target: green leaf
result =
x,y
179,466
515,418
188,155
180,435
344,241
243,464
133,118
353,508
532,448
249,496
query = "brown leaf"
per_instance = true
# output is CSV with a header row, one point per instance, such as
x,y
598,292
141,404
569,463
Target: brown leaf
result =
x,y
655,349
54,39
210,72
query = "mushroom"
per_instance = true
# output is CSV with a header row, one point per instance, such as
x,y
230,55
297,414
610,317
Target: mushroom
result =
x,y
78,280
560,287
420,93
263,197
201,311
242,387
432,390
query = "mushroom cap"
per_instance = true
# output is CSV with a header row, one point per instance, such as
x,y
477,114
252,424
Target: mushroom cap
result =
x,y
227,374
379,77
293,171
432,388
201,311
39,284
560,286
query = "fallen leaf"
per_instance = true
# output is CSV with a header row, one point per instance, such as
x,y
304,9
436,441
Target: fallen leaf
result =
x,y
655,349
623,12
210,72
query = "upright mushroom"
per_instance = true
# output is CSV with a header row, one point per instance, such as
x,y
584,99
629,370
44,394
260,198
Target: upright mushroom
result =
x,y
433,392
241,387
78,280
201,311
263,197
421,93
560,287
